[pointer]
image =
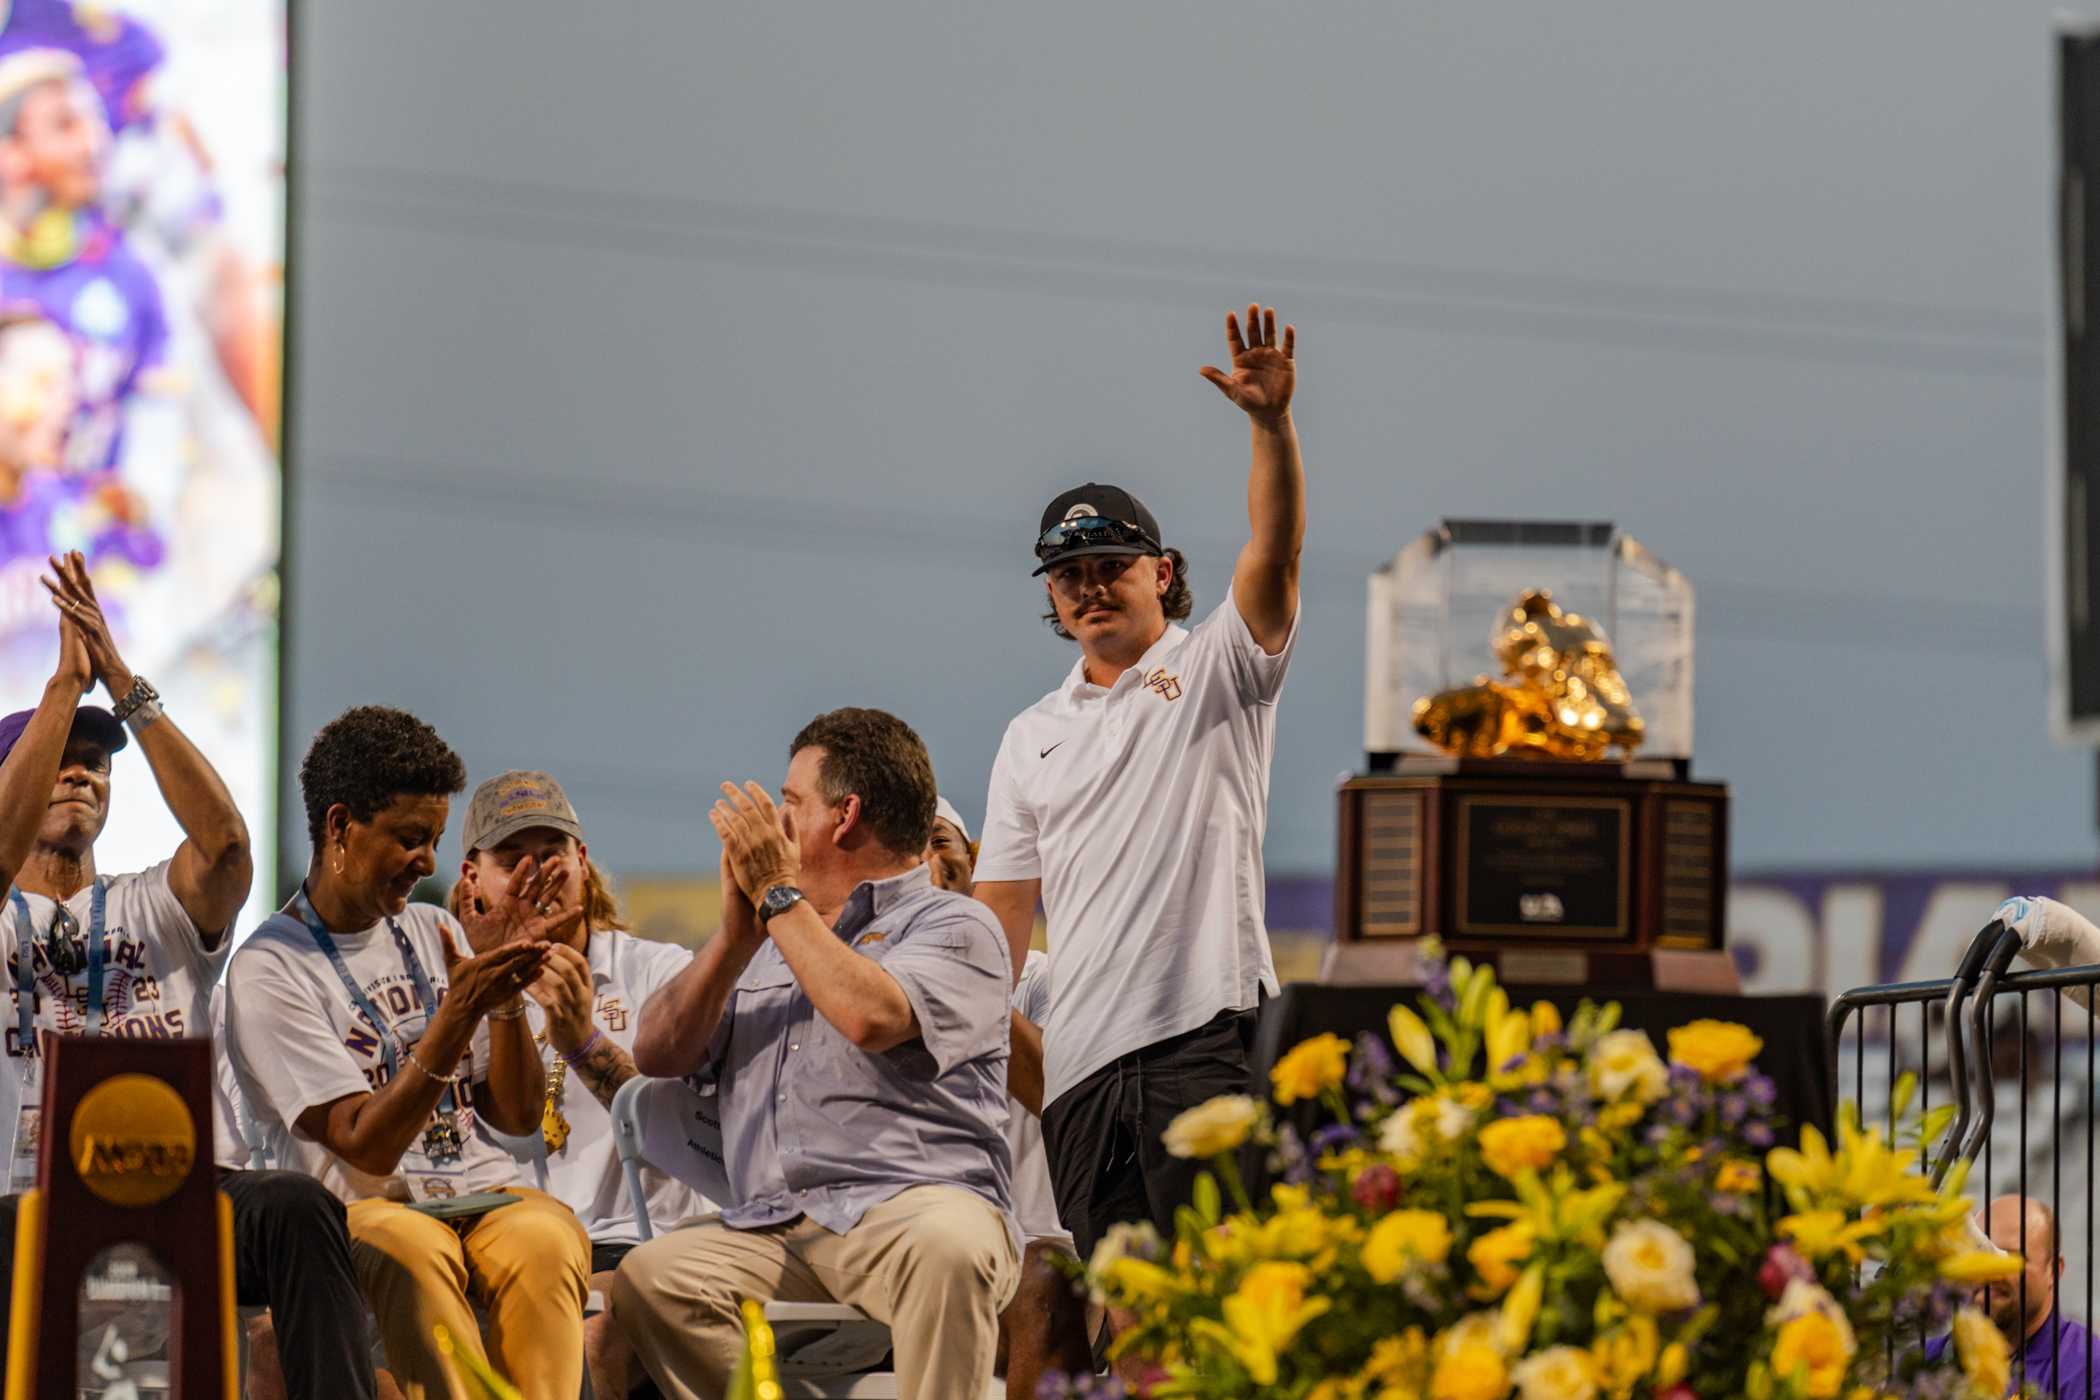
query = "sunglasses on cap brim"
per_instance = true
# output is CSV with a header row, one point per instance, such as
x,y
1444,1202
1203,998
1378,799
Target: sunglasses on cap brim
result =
x,y
1093,531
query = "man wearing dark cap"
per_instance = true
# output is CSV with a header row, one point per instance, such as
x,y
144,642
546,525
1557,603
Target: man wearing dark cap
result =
x,y
136,955
1132,801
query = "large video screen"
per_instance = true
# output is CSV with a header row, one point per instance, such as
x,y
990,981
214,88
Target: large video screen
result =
x,y
142,158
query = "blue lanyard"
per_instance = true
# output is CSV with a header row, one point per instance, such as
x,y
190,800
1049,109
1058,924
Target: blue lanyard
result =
x,y
391,1048
25,955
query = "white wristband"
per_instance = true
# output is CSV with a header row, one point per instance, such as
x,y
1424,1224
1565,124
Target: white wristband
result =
x,y
143,717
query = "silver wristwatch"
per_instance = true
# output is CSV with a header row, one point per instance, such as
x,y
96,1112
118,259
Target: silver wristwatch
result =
x,y
777,900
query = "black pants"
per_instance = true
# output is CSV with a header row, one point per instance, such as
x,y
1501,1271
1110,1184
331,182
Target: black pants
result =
x,y
291,1253
1102,1136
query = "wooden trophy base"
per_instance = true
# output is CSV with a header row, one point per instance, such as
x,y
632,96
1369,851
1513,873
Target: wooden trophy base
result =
x,y
1557,873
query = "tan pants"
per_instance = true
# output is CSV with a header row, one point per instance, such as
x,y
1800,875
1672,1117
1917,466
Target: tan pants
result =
x,y
935,1263
527,1263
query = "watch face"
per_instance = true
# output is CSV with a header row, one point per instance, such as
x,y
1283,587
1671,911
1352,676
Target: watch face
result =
x,y
779,899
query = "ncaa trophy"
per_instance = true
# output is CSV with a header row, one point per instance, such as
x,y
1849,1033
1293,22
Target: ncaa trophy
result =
x,y
1528,797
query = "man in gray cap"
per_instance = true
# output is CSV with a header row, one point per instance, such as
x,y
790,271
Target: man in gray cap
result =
x,y
587,1003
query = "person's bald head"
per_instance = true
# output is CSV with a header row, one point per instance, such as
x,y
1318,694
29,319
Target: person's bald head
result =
x,y
2026,1227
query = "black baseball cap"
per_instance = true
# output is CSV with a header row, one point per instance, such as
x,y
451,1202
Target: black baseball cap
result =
x,y
1129,528
92,720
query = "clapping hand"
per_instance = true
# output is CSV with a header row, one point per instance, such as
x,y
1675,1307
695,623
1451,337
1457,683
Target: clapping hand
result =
x,y
73,594
1264,370
563,990
534,907
757,849
492,979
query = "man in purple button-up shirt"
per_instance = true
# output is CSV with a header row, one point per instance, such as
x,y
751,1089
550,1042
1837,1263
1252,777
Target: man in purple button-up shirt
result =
x,y
2052,1354
852,1018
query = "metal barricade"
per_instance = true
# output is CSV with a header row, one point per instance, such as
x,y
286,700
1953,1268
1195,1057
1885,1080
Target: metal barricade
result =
x,y
1992,1047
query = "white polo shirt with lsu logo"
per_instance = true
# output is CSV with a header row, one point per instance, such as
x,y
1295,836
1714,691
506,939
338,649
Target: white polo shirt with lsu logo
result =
x,y
1141,808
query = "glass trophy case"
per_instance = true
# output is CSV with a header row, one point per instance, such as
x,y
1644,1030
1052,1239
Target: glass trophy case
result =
x,y
1506,638
1528,795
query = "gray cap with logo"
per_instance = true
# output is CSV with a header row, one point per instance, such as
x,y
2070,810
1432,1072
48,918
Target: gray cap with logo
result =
x,y
513,802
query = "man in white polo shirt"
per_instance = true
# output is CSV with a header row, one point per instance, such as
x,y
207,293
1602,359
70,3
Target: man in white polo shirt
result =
x,y
1133,799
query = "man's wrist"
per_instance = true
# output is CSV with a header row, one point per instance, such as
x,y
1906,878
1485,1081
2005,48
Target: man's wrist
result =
x,y
118,683
1278,423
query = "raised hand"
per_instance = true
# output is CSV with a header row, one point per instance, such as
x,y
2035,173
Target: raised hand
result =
x,y
758,851
488,980
739,919
534,907
1264,370
73,594
74,668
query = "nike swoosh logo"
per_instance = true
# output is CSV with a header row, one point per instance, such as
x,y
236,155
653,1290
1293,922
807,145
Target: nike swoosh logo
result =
x,y
1052,749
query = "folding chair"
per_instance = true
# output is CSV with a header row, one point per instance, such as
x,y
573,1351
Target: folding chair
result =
x,y
825,1351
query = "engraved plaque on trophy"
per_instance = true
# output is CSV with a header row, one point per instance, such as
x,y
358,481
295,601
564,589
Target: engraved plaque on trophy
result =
x,y
1528,795
123,1267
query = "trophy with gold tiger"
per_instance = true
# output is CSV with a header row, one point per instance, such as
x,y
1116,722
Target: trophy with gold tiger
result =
x,y
1527,794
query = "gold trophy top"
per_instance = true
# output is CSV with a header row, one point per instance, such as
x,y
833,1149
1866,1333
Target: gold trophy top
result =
x,y
1561,695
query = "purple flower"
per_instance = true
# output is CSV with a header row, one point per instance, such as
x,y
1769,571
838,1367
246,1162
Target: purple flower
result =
x,y
1371,1070
1290,1157
1437,985
1332,1136
1760,1088
1758,1135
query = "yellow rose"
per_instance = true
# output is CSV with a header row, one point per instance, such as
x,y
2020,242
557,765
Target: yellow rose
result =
x,y
1404,1237
1312,1067
1515,1145
1471,1372
1721,1051
1496,1255
1624,1064
1213,1127
1812,1347
1986,1358
1468,1365
1738,1178
1557,1373
1650,1267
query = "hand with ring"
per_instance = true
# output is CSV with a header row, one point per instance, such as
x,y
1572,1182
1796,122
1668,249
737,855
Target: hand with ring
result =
x,y
531,908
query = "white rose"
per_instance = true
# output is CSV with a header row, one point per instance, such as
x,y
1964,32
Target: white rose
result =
x,y
1557,1373
1650,1267
1625,1062
1215,1126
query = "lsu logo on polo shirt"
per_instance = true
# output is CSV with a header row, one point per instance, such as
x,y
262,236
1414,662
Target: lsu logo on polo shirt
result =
x,y
1169,687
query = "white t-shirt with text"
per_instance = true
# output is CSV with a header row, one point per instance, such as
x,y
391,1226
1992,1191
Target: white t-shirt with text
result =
x,y
1141,808
157,977
295,1040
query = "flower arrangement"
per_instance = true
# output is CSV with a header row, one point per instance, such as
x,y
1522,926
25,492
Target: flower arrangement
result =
x,y
1522,1207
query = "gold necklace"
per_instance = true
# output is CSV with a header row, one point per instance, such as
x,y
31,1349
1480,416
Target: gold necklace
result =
x,y
554,1128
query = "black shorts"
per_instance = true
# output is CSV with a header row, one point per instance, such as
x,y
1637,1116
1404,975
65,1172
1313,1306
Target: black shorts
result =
x,y
1102,1136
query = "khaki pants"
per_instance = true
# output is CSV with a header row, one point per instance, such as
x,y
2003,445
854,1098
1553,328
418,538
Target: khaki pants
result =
x,y
527,1263
934,1262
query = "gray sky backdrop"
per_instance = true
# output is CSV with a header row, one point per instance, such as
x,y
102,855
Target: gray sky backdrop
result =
x,y
668,373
